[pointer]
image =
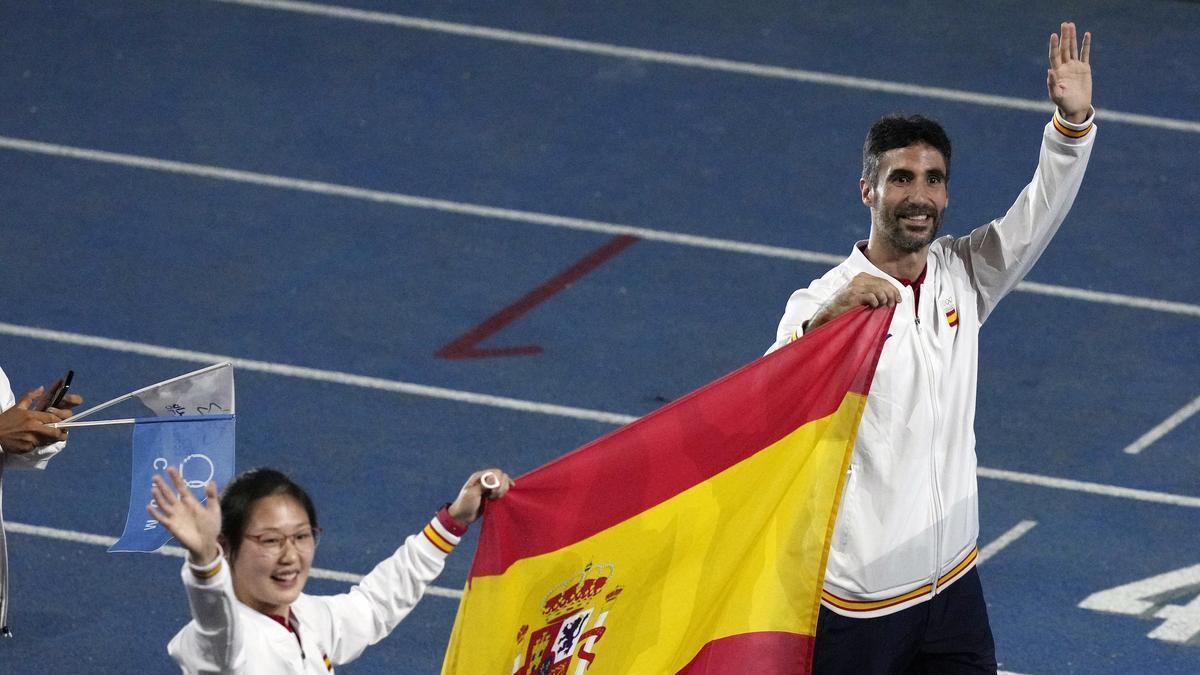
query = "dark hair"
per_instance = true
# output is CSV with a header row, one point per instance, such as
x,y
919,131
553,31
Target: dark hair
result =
x,y
898,131
245,490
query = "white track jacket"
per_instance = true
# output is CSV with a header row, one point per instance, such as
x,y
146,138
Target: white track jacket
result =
x,y
909,516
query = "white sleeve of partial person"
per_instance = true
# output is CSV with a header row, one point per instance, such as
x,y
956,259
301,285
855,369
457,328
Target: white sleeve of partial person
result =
x,y
37,458
212,641
999,255
369,611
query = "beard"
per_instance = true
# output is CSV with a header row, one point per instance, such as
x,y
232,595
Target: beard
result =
x,y
901,238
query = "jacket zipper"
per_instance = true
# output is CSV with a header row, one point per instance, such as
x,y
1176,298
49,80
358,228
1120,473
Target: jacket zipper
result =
x,y
933,472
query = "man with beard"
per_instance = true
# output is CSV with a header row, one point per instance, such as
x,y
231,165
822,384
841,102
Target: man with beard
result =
x,y
901,594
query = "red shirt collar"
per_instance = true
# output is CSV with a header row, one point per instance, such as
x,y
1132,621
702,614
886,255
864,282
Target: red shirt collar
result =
x,y
920,278
286,623
916,286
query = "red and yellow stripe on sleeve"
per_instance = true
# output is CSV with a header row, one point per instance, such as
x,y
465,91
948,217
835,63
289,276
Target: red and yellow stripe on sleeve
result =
x,y
1071,130
709,521
440,536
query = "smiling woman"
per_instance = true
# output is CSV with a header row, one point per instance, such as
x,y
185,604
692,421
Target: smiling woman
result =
x,y
252,615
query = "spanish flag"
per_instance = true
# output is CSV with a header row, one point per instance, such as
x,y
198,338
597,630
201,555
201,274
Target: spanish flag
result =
x,y
692,540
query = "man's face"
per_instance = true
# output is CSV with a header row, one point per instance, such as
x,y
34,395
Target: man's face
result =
x,y
908,198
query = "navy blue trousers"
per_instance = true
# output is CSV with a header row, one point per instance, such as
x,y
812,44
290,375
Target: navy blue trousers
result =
x,y
948,635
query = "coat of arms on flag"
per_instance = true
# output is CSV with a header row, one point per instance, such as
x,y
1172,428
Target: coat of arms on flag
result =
x,y
692,540
573,616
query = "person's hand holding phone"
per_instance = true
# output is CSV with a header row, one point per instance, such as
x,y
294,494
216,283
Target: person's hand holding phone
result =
x,y
56,400
24,427
53,396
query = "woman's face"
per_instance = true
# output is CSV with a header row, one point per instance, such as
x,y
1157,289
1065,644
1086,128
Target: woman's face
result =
x,y
272,565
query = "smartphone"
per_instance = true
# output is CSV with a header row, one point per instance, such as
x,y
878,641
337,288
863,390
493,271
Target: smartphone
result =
x,y
53,398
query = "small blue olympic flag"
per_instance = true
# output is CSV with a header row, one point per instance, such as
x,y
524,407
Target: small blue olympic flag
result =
x,y
193,431
200,448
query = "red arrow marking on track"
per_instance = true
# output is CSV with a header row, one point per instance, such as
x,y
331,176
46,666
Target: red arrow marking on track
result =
x,y
466,346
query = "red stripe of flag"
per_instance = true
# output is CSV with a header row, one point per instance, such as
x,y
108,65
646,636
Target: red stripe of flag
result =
x,y
754,653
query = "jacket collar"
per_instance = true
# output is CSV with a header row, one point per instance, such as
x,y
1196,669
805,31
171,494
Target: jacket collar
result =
x,y
858,262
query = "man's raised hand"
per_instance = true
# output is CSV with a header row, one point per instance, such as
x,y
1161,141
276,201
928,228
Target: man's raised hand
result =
x,y
1069,78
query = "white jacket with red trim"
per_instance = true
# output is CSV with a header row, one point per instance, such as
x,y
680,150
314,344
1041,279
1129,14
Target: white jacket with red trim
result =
x,y
226,636
909,516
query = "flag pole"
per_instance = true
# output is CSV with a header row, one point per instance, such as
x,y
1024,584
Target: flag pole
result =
x,y
95,423
120,399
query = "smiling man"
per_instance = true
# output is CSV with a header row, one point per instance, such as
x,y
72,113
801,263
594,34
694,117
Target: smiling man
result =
x,y
901,594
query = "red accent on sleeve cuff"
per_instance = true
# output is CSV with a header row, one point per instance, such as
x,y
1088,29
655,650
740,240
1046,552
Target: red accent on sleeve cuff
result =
x,y
452,526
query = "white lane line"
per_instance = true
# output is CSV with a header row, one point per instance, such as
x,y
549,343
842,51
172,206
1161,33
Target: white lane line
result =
x,y
473,398
1091,488
1167,425
317,374
1016,532
531,217
412,201
1152,304
702,62
178,552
